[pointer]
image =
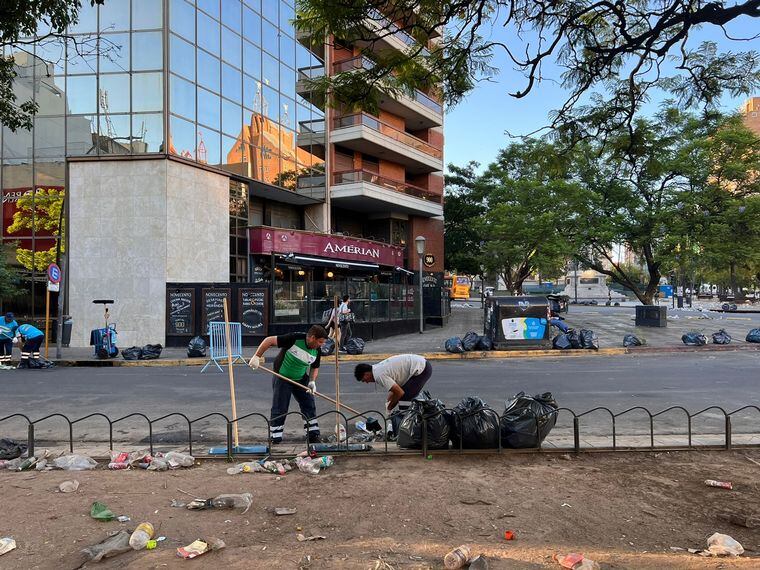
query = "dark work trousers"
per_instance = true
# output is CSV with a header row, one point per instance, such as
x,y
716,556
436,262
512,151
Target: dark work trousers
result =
x,y
31,349
414,386
281,392
346,333
6,350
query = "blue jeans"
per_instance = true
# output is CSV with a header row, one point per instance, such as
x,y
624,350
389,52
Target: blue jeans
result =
x,y
559,324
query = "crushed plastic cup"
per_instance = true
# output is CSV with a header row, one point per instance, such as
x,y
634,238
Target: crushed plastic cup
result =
x,y
75,463
69,486
723,545
177,459
6,545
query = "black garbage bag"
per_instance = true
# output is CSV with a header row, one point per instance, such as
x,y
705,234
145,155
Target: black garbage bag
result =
x,y
721,337
631,340
575,338
561,342
753,336
485,343
328,348
454,344
424,410
475,425
470,341
151,351
394,423
527,420
355,345
132,353
589,339
694,339
196,348
10,449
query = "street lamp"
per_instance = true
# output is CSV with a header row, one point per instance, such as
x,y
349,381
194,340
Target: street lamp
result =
x,y
419,243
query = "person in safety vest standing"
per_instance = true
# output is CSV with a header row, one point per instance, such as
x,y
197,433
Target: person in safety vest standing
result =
x,y
8,326
30,351
299,352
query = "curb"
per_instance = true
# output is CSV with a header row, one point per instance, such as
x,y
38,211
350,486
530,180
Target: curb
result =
x,y
496,354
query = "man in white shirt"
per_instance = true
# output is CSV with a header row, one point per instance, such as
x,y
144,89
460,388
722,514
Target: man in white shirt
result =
x,y
403,376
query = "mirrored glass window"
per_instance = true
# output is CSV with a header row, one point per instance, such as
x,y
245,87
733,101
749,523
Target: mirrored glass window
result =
x,y
288,112
208,108
148,51
270,37
182,58
271,103
233,151
287,15
251,59
87,20
288,81
49,137
232,48
232,117
182,97
208,71
147,92
114,16
182,19
82,94
270,71
209,146
252,93
114,93
251,26
115,134
147,14
53,54
211,7
148,133
114,52
255,4
50,91
288,50
208,33
232,83
81,55
303,57
270,10
182,138
231,14
81,131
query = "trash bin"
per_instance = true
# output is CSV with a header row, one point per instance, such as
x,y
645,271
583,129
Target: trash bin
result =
x,y
651,316
66,334
518,322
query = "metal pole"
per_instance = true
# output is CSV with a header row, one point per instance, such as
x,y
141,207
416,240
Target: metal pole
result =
x,y
59,326
575,281
47,318
422,318
227,340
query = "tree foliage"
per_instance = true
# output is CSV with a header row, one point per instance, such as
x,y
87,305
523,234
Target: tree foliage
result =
x,y
618,53
40,212
9,275
24,23
462,242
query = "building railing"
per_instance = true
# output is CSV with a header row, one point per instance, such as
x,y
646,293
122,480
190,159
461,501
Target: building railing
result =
x,y
390,28
313,72
388,130
353,176
316,126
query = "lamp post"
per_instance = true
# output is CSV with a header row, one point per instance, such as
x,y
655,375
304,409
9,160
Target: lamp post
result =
x,y
419,243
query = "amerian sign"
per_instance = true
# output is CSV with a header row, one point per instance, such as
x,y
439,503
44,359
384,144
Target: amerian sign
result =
x,y
272,240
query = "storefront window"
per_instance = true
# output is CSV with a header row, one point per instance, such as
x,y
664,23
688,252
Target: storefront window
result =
x,y
290,296
238,232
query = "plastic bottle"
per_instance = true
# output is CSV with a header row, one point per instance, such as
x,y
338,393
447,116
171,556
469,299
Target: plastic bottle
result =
x,y
457,558
143,533
244,500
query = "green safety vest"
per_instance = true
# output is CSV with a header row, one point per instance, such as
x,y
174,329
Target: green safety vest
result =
x,y
298,358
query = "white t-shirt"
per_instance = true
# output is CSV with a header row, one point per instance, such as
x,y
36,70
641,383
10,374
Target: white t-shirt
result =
x,y
343,309
397,369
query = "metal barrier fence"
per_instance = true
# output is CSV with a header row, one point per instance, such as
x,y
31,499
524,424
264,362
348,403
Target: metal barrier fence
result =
x,y
727,435
218,344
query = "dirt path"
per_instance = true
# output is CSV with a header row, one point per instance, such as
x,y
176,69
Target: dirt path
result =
x,y
624,511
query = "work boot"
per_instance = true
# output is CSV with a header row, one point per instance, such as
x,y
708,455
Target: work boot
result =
x,y
35,363
314,437
23,363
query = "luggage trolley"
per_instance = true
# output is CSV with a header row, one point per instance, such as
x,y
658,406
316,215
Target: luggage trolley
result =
x,y
104,340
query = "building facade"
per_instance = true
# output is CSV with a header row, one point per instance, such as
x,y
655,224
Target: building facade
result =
x,y
751,112
178,157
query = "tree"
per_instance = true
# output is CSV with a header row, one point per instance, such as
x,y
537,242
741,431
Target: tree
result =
x,y
9,275
24,23
41,212
619,52
461,242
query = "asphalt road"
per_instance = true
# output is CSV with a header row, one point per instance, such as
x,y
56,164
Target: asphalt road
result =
x,y
691,380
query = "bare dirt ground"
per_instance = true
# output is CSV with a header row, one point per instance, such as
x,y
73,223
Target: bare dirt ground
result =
x,y
624,511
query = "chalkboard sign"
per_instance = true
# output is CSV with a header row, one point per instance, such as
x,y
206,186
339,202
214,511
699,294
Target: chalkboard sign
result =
x,y
180,311
252,304
213,306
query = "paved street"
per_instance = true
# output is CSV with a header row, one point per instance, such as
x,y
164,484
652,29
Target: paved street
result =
x,y
692,380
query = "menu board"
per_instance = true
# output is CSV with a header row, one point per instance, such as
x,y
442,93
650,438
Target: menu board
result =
x,y
180,310
213,306
252,304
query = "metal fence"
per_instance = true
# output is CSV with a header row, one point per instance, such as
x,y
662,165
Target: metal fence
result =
x,y
218,344
647,427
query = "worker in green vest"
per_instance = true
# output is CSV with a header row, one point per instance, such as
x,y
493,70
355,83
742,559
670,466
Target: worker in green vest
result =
x,y
299,352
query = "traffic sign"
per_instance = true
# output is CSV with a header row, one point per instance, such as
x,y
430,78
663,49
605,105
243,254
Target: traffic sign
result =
x,y
54,273
53,287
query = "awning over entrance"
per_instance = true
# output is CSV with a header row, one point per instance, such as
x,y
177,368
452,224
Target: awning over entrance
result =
x,y
340,264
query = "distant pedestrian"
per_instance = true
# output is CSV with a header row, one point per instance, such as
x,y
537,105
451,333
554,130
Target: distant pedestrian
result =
x,y
8,326
345,318
30,351
403,376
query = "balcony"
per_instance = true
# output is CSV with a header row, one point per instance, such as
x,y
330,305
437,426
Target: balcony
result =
x,y
368,134
390,36
363,191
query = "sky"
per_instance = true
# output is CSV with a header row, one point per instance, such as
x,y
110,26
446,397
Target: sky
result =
x,y
476,128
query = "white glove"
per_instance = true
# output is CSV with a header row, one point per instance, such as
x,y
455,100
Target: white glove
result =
x,y
15,340
312,386
256,361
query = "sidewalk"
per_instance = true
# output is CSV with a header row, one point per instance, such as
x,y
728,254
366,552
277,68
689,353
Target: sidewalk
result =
x,y
610,327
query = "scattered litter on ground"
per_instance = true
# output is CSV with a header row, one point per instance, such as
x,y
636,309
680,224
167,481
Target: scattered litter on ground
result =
x,y
6,545
151,462
509,535
722,545
141,535
178,504
228,501
458,558
479,563
75,462
283,511
110,547
100,512
11,449
720,484
304,538
151,545
68,486
199,547
123,518
568,505
313,465
575,561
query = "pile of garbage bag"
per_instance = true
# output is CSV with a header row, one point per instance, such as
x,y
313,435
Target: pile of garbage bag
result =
x,y
572,339
694,339
328,348
527,420
424,411
631,340
753,336
454,345
150,351
355,345
470,341
196,348
721,337
474,425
